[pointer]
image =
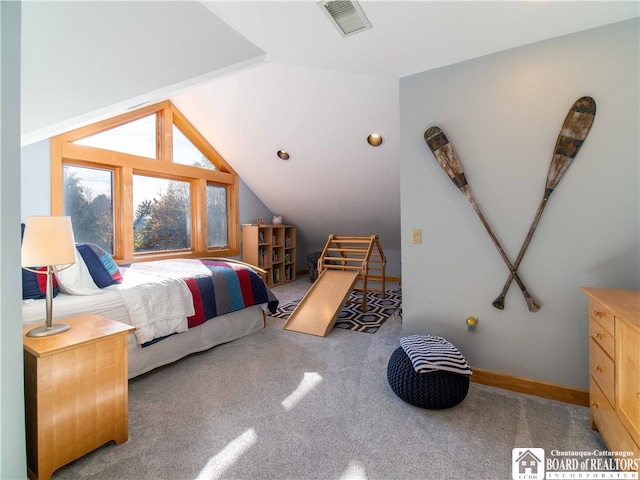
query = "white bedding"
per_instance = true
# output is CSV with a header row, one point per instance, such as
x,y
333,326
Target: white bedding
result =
x,y
158,304
110,304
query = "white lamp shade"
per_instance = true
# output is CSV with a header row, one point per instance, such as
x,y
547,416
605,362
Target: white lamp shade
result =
x,y
48,241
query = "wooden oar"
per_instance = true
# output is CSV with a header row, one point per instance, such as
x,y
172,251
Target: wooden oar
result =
x,y
446,157
574,130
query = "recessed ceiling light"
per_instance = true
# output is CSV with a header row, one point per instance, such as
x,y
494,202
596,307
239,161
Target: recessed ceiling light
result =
x,y
283,154
375,139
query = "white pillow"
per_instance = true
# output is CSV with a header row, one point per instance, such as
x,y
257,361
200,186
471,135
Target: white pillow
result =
x,y
76,280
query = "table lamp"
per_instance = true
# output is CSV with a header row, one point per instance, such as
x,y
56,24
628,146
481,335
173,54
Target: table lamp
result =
x,y
48,241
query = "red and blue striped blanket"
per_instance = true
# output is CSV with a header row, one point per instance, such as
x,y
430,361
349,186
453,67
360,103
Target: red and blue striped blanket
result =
x,y
216,287
230,287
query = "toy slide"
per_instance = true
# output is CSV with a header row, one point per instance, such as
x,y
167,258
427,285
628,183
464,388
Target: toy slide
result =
x,y
319,308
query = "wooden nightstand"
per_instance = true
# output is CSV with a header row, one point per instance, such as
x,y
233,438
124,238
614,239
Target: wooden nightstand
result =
x,y
76,392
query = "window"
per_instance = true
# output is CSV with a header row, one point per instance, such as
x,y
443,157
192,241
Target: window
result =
x,y
87,199
187,153
146,184
217,235
161,219
136,138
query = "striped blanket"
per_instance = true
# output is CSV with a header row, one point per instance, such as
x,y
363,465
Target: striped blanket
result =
x,y
230,287
212,288
430,353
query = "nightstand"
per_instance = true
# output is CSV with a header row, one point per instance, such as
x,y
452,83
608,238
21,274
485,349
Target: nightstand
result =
x,y
76,391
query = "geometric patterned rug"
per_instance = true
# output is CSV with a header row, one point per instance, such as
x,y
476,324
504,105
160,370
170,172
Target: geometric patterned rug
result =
x,y
352,317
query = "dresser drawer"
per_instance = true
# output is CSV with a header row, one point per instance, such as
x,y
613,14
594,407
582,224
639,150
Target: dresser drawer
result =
x,y
602,413
602,315
602,371
602,337
608,424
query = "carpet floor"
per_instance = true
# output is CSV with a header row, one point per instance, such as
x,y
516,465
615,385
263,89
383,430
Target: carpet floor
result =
x,y
284,405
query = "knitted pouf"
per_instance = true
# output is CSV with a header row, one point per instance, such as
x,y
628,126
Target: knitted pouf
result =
x,y
435,390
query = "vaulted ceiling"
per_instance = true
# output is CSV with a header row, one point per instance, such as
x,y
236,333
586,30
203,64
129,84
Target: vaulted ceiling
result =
x,y
256,77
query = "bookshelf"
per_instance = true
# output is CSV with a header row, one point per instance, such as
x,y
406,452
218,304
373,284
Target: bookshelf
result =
x,y
273,248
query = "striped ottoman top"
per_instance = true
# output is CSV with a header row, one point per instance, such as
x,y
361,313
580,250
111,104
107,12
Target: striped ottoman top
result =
x,y
430,353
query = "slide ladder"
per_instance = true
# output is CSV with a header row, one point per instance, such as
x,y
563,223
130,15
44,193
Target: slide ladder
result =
x,y
361,254
344,262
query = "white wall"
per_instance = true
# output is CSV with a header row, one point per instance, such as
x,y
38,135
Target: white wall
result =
x,y
13,459
35,183
502,114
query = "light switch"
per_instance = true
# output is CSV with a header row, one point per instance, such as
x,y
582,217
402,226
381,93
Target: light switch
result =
x,y
416,236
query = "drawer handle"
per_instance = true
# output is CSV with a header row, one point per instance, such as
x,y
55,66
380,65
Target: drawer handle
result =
x,y
599,368
638,395
596,313
599,335
594,404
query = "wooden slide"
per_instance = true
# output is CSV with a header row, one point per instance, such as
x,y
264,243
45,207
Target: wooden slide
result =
x,y
318,310
344,261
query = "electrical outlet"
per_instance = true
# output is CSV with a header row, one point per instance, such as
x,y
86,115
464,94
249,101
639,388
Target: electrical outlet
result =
x,y
472,324
416,236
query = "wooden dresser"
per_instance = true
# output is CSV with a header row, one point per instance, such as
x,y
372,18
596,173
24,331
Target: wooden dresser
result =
x,y
614,361
76,392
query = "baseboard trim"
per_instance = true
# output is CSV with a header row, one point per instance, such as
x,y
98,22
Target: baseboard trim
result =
x,y
552,391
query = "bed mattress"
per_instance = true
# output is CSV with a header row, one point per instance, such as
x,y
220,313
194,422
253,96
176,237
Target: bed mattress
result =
x,y
218,330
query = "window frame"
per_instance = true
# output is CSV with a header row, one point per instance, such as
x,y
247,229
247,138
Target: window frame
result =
x,y
124,166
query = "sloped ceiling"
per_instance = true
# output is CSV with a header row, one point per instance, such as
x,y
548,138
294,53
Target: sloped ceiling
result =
x,y
83,61
256,77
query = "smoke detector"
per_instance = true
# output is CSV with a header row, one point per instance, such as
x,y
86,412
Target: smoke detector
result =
x,y
346,15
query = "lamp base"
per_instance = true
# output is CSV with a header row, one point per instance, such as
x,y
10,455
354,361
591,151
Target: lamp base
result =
x,y
45,331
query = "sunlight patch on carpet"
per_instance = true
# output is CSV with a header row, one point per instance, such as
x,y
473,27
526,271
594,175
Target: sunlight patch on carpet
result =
x,y
310,381
217,465
355,471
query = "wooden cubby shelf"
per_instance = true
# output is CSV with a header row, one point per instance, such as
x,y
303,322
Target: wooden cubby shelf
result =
x,y
273,248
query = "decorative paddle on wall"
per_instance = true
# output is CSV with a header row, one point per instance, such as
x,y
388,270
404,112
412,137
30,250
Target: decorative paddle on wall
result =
x,y
574,130
447,159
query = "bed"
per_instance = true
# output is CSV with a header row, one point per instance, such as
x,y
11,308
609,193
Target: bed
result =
x,y
178,307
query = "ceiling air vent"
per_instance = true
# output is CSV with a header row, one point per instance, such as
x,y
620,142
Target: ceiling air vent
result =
x,y
346,15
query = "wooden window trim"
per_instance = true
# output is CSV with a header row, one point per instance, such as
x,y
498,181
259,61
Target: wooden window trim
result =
x,y
124,166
